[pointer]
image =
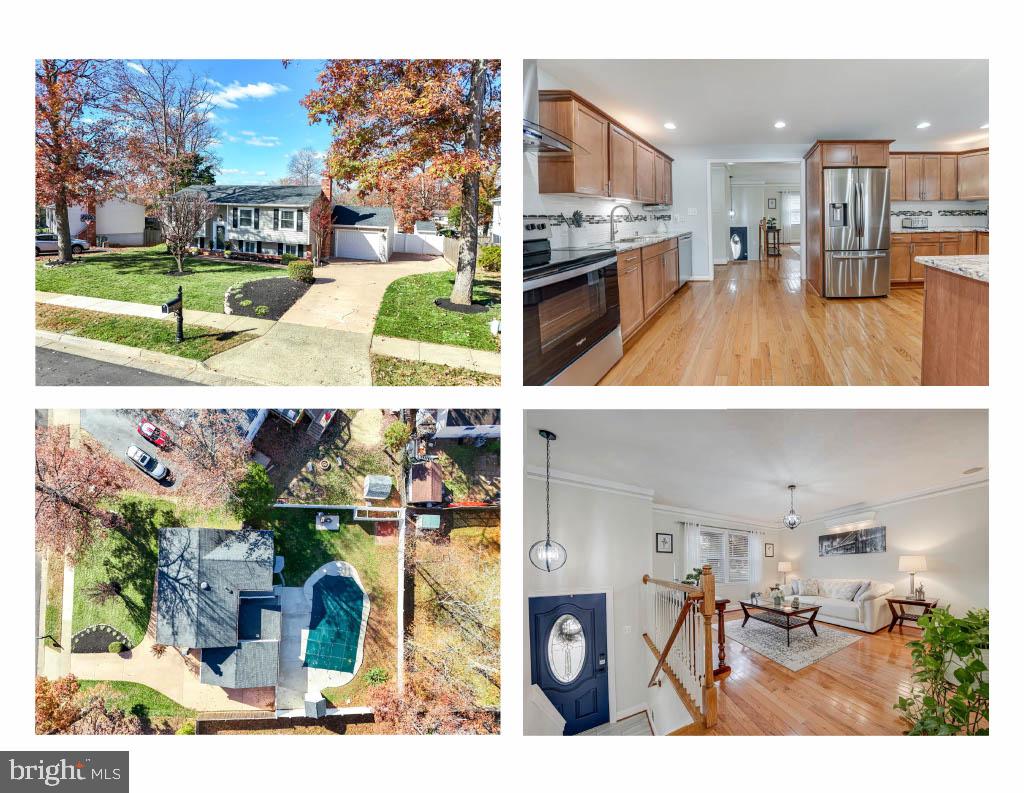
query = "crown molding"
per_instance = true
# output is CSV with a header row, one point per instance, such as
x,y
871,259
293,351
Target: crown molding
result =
x,y
590,483
715,517
920,495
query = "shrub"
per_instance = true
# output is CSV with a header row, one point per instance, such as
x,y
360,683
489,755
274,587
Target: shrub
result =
x,y
396,436
187,728
158,650
301,271
377,675
252,496
245,302
455,216
489,258
115,647
260,311
288,258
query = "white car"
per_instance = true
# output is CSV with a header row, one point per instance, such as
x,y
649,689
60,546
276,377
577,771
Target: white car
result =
x,y
47,243
148,465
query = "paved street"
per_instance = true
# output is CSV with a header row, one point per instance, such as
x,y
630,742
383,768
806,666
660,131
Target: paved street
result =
x,y
54,367
116,431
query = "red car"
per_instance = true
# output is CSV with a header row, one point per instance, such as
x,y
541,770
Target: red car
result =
x,y
152,433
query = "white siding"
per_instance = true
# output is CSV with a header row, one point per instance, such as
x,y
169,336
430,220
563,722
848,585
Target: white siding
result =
x,y
266,231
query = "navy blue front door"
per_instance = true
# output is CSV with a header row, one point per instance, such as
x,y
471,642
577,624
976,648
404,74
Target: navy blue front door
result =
x,y
569,657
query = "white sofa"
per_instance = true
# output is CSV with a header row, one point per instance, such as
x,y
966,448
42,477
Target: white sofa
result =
x,y
850,602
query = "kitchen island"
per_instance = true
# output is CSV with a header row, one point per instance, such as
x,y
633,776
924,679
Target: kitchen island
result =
x,y
955,320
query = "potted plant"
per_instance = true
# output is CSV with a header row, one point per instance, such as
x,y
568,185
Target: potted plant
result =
x,y
693,578
776,595
950,669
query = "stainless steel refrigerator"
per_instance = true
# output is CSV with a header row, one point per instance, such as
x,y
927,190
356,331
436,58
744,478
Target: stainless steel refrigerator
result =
x,y
856,232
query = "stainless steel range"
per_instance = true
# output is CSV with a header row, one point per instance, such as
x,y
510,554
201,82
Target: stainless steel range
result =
x,y
571,333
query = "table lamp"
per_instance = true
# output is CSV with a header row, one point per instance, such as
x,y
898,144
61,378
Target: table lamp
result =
x,y
912,565
785,567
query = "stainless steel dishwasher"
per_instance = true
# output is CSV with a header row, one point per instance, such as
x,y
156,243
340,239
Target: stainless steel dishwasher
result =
x,y
685,257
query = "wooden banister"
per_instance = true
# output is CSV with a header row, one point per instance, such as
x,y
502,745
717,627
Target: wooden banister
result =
x,y
687,588
671,640
709,702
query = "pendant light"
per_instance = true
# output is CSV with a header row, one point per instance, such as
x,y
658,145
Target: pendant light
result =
x,y
792,520
545,554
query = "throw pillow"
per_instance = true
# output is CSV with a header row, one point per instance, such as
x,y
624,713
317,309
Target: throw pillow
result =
x,y
864,587
809,587
846,590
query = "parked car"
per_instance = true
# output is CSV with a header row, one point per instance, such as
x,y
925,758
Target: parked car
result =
x,y
148,465
152,433
47,243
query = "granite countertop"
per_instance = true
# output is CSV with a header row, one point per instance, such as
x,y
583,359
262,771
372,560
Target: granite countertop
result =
x,y
938,229
639,242
975,267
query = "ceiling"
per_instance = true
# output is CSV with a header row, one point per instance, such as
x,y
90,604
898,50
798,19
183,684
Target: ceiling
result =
x,y
764,172
739,462
738,101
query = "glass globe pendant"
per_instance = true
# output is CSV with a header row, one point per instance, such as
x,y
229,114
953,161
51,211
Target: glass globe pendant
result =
x,y
546,554
791,520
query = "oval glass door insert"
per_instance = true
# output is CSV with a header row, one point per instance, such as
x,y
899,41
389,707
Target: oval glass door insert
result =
x,y
567,648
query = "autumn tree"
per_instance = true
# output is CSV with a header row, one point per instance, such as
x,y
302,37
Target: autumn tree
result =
x,y
304,167
57,704
392,118
252,497
77,155
429,706
97,717
164,112
72,486
211,455
320,229
182,215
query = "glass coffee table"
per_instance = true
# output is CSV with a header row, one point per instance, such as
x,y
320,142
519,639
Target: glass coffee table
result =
x,y
785,617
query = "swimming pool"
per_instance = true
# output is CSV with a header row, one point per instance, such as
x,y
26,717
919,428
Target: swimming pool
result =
x,y
334,624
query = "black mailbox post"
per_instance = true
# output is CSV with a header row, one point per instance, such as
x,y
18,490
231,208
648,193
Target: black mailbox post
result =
x,y
176,307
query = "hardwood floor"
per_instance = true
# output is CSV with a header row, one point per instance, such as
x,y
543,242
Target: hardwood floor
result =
x,y
637,724
757,324
850,692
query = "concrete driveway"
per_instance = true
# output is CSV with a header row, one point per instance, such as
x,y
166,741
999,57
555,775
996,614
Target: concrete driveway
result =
x,y
116,432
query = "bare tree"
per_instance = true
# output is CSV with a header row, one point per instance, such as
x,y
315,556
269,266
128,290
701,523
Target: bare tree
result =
x,y
304,167
182,215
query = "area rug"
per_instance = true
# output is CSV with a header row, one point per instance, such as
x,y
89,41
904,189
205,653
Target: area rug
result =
x,y
805,648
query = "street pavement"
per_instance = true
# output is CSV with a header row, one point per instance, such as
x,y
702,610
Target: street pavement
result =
x,y
55,367
116,431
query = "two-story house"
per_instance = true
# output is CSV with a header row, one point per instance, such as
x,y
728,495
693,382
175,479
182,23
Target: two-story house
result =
x,y
271,219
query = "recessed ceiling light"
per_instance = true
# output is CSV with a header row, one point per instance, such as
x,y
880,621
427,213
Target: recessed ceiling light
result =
x,y
669,125
924,125
780,124
730,163
974,470
985,125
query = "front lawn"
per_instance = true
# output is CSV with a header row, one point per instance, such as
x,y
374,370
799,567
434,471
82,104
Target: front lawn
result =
x,y
140,275
150,334
54,595
305,549
471,473
128,557
408,311
143,701
386,370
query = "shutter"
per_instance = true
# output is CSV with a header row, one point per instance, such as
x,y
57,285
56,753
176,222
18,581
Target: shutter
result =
x,y
255,217
259,247
298,220
299,249
280,245
739,558
277,218
234,217
711,543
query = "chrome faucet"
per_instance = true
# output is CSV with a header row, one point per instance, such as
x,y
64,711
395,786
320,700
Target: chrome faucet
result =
x,y
611,218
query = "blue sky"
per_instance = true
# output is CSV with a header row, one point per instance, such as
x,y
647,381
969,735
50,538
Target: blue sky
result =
x,y
258,116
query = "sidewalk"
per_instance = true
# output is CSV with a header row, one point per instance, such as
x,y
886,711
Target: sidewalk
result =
x,y
444,354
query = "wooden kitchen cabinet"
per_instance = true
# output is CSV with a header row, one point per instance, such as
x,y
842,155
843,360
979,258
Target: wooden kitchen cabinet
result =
x,y
631,292
972,175
904,248
645,174
947,177
653,269
662,180
922,177
914,177
667,181
982,245
922,249
897,177
584,170
899,258
671,262
855,154
930,178
621,163
968,243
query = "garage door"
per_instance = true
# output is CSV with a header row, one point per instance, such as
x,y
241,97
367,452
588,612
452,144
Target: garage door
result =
x,y
354,244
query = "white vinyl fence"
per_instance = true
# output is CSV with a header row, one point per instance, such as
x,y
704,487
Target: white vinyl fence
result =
x,y
415,243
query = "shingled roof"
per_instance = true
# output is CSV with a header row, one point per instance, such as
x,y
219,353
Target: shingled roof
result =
x,y
200,575
259,194
253,662
343,215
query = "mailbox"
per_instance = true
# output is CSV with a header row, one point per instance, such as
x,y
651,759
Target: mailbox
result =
x,y
176,307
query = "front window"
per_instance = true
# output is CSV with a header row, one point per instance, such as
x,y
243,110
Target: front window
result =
x,y
245,218
727,553
249,247
292,249
288,219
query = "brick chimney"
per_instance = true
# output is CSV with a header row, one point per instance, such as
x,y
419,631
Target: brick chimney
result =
x,y
327,187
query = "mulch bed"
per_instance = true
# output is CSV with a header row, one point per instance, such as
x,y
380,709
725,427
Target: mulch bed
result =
x,y
97,639
266,298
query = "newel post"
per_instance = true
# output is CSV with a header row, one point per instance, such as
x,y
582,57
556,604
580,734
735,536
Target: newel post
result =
x,y
709,704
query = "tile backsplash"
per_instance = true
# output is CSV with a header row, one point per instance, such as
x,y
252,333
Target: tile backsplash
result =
x,y
970,214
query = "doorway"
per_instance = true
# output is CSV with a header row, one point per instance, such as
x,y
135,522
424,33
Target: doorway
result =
x,y
747,196
569,657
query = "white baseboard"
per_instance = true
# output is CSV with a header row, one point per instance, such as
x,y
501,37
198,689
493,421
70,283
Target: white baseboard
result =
x,y
627,712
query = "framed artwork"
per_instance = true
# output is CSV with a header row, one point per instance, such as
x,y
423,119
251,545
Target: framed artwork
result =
x,y
769,550
771,203
851,542
663,542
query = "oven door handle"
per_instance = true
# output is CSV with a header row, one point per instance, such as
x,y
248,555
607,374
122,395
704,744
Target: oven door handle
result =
x,y
555,278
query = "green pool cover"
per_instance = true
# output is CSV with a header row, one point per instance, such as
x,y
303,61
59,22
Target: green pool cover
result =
x,y
333,639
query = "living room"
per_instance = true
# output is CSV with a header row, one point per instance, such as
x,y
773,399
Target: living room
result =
x,y
755,572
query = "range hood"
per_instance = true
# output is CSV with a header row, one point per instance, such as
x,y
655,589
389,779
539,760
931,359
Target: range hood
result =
x,y
536,137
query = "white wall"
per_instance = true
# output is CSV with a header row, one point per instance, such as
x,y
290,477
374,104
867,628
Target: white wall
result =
x,y
116,217
950,531
607,538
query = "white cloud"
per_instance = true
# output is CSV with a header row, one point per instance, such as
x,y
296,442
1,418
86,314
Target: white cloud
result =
x,y
231,171
266,141
261,173
136,66
246,132
229,95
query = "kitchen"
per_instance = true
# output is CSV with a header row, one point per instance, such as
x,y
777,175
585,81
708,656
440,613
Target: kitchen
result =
x,y
618,210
